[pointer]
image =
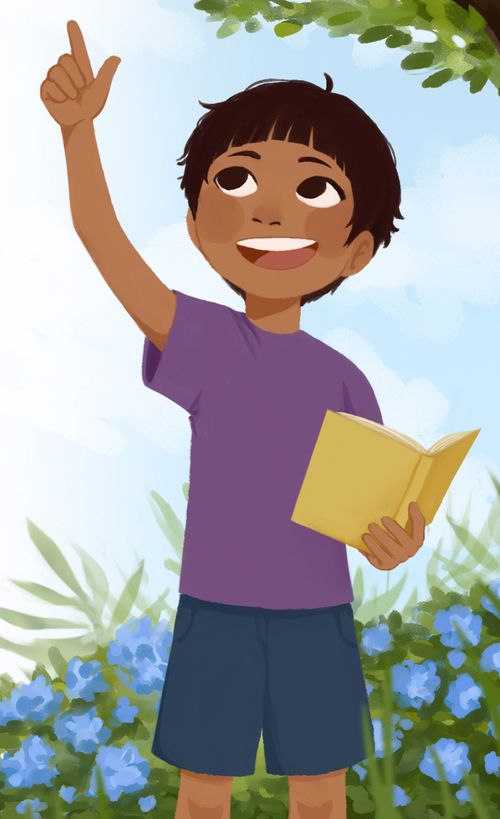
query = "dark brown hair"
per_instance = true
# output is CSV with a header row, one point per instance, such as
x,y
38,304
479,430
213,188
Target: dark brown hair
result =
x,y
341,129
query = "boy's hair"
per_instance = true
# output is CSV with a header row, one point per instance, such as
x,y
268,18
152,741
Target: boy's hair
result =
x,y
341,129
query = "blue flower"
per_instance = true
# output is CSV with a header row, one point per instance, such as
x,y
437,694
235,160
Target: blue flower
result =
x,y
29,765
67,792
146,803
463,695
123,769
492,763
84,730
463,794
494,588
453,757
379,737
31,701
369,688
35,806
400,798
124,712
490,729
446,619
143,652
360,770
376,640
415,683
456,658
490,658
84,680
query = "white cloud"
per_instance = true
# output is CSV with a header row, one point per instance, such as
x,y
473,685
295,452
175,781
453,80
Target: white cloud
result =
x,y
416,407
447,250
373,55
122,27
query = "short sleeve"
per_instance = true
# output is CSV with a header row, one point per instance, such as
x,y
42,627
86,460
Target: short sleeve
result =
x,y
180,370
359,397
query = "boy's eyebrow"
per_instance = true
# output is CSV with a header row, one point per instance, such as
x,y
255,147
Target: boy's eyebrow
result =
x,y
255,155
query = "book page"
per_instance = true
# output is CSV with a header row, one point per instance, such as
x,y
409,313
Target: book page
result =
x,y
386,431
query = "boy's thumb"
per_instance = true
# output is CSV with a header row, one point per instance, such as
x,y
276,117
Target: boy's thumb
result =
x,y
106,73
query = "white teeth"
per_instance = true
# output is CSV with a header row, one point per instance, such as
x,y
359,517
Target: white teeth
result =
x,y
276,243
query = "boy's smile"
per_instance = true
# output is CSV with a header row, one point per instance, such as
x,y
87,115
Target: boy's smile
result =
x,y
280,253
272,219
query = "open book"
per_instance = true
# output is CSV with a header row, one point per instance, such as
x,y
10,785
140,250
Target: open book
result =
x,y
360,470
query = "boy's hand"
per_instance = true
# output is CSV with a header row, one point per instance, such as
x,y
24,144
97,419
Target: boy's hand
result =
x,y
389,550
71,93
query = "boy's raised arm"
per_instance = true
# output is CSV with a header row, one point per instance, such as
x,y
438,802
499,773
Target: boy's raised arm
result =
x,y
74,97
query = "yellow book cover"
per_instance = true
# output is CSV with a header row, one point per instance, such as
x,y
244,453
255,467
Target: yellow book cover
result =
x,y
361,470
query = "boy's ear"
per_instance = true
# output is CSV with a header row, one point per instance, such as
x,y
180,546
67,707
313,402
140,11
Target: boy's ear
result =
x,y
191,226
361,253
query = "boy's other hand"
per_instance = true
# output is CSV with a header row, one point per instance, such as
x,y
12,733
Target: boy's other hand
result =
x,y
389,550
70,92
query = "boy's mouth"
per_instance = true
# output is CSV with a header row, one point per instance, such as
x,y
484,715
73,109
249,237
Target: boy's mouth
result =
x,y
277,252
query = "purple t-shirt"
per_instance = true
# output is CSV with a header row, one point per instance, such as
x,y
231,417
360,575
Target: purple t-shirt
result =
x,y
256,403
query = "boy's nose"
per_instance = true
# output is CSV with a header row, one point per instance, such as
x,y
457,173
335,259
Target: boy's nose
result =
x,y
266,221
266,216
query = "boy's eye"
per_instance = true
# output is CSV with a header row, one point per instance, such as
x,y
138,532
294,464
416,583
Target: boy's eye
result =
x,y
319,192
236,181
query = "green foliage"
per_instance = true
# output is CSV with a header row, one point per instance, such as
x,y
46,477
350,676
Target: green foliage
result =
x,y
477,61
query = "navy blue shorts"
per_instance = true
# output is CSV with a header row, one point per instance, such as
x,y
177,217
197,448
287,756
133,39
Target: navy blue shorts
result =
x,y
234,671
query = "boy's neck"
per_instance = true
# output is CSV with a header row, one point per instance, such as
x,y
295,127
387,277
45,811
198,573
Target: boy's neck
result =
x,y
273,315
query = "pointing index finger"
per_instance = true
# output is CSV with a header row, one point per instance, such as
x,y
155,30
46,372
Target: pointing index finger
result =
x,y
79,50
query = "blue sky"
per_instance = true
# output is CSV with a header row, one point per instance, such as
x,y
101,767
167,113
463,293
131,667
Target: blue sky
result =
x,y
83,440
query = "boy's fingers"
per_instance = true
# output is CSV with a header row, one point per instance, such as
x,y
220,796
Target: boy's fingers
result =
x,y
72,70
79,50
50,91
58,75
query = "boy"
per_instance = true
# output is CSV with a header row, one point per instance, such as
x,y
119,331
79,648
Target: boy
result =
x,y
291,189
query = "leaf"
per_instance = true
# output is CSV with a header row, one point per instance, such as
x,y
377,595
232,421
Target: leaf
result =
x,y
81,646
127,598
287,28
185,490
173,565
156,608
168,522
478,552
252,26
477,80
211,5
438,78
461,574
387,600
29,621
476,21
419,59
53,555
358,585
44,593
58,661
95,577
375,33
397,39
344,18
228,27
410,605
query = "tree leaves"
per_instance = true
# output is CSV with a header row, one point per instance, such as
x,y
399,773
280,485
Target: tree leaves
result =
x,y
438,78
287,28
420,59
371,35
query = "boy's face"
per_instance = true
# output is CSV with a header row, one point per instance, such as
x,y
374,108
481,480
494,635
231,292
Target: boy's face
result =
x,y
274,223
